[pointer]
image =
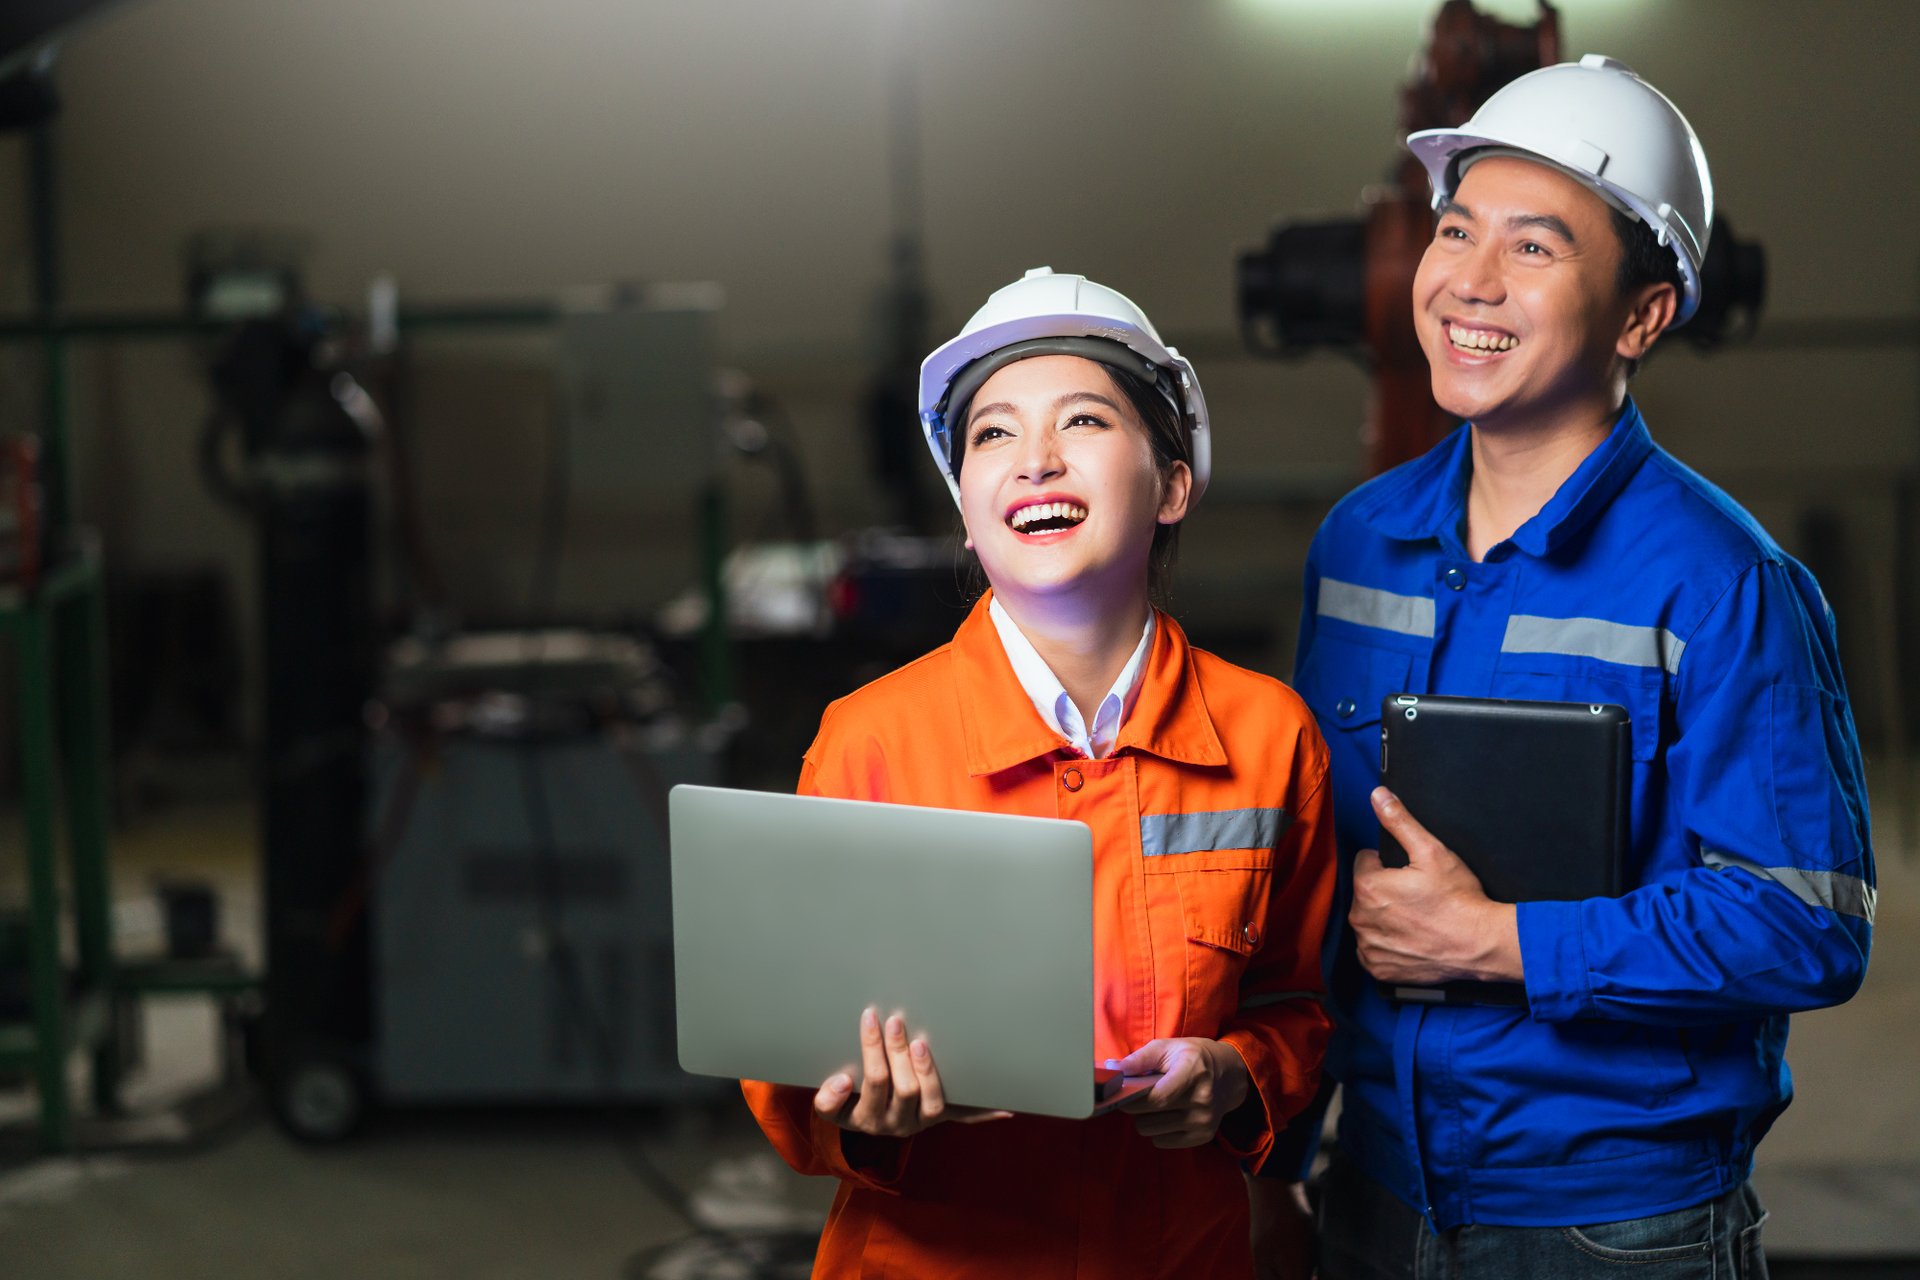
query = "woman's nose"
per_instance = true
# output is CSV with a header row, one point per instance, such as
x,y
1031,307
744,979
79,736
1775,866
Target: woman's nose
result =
x,y
1040,456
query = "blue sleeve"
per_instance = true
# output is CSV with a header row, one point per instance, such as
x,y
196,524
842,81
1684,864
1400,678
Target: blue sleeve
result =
x,y
1767,906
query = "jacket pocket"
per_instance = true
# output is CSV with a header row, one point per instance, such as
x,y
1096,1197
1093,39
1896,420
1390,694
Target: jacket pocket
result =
x,y
1813,809
1224,905
1223,909
1532,681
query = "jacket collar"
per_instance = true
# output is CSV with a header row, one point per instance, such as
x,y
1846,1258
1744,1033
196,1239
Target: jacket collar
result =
x,y
1000,728
1427,498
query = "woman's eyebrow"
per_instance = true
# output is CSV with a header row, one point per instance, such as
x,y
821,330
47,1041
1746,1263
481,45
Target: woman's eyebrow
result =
x,y
998,406
1074,396
1070,397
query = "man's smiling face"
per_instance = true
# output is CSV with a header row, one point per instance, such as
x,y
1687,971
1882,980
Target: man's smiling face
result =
x,y
1517,300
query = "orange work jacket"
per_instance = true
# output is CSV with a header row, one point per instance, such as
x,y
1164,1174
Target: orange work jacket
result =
x,y
1212,876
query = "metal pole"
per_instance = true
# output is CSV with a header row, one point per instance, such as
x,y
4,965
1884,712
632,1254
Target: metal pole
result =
x,y
85,763
37,756
43,223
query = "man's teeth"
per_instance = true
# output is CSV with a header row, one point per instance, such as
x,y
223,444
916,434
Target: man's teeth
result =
x,y
1060,511
1480,339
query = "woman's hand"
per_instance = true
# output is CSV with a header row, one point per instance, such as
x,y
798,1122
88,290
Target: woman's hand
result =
x,y
1202,1082
900,1090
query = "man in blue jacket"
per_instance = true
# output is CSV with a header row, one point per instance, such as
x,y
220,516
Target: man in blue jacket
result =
x,y
1550,550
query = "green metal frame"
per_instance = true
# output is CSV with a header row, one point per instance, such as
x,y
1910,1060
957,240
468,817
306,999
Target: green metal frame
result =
x,y
58,631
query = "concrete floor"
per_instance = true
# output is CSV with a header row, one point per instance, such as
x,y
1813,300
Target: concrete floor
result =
x,y
540,1194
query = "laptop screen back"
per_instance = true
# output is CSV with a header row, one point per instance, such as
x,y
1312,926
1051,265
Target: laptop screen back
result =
x,y
793,913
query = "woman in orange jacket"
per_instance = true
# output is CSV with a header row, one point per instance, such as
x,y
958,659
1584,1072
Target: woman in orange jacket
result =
x,y
1075,442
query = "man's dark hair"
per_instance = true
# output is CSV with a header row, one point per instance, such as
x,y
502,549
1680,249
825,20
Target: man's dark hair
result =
x,y
1643,261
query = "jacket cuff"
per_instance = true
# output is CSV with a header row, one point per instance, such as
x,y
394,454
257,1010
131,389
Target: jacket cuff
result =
x,y
1553,956
1248,1131
878,1164
1297,1144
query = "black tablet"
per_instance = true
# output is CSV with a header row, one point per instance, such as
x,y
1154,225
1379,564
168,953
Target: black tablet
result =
x,y
1531,795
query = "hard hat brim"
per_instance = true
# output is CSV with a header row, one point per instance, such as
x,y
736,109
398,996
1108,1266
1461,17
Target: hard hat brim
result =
x,y
1440,151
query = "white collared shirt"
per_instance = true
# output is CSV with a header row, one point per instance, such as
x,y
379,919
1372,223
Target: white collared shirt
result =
x,y
1050,698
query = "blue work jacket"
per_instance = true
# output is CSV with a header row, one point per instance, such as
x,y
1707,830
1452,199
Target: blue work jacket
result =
x,y
1648,1060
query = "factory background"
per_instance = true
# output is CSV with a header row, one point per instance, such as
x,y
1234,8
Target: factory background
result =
x,y
512,154
478,156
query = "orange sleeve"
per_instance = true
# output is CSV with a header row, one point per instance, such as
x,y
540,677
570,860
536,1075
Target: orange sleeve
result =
x,y
1281,1027
806,1140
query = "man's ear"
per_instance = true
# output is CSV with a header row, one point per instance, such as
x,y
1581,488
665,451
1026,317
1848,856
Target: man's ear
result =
x,y
1650,316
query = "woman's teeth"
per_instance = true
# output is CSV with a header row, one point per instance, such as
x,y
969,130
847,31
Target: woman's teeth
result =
x,y
1480,339
1046,516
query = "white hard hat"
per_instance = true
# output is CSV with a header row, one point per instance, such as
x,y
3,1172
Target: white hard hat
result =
x,y
1601,124
1046,314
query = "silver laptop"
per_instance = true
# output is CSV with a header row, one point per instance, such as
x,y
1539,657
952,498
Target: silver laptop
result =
x,y
791,914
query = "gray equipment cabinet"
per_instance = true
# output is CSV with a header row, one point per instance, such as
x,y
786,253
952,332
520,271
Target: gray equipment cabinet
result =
x,y
522,921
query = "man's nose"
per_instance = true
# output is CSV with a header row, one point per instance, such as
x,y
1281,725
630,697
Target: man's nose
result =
x,y
1479,275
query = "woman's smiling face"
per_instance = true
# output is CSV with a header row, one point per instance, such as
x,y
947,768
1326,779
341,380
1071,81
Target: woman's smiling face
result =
x,y
1058,485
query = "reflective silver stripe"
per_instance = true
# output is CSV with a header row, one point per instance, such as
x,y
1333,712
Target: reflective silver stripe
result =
x,y
1164,833
1372,607
1595,638
1847,895
1276,997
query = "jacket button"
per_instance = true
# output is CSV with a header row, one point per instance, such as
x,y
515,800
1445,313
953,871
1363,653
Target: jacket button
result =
x,y
1343,708
1456,579
1072,780
1251,933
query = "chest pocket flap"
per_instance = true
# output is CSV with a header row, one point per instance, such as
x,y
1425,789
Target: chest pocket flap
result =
x,y
1222,865
1344,682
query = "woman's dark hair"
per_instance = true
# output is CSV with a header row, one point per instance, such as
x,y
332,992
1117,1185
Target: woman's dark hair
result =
x,y
1643,261
1167,435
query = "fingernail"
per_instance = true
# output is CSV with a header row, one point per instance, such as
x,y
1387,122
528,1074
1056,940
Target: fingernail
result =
x,y
920,1050
1384,798
896,1027
1111,1064
870,1019
839,1084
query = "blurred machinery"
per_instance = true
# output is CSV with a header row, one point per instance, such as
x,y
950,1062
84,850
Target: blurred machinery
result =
x,y
903,307
518,879
1346,283
303,477
463,833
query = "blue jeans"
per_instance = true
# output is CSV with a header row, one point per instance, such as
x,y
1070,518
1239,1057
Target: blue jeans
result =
x,y
1366,1233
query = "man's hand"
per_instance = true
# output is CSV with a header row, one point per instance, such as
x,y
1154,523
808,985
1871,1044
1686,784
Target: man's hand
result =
x,y
1201,1083
900,1089
1429,921
1282,1229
